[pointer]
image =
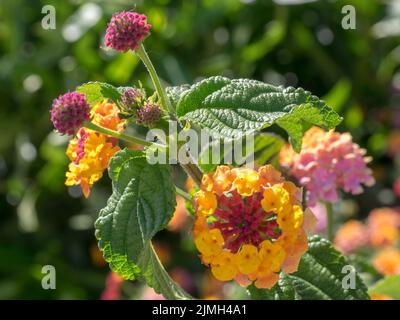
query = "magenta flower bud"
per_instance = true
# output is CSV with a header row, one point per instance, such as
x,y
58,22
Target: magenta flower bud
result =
x,y
148,115
126,31
69,112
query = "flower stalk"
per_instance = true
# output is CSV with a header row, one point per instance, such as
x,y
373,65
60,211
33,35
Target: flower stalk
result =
x,y
141,52
191,169
329,225
115,134
183,194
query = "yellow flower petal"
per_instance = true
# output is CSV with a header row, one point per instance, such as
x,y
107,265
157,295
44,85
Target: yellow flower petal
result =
x,y
247,259
246,182
274,199
206,202
223,266
209,242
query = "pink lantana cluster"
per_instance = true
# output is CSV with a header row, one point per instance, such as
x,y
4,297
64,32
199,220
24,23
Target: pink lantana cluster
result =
x,y
126,31
69,111
328,161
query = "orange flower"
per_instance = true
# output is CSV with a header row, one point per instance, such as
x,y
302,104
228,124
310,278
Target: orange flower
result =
x,y
90,151
249,225
387,261
106,114
378,296
351,236
383,225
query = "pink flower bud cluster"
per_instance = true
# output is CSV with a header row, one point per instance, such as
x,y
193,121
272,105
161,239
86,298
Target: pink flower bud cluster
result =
x,y
126,31
69,111
148,115
328,161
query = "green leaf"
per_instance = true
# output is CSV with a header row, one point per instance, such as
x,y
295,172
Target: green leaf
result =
x,y
389,286
142,203
300,119
235,108
98,91
319,277
175,93
156,277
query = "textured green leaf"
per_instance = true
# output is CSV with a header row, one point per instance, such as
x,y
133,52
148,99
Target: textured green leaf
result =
x,y
235,108
301,117
389,286
175,93
98,91
142,203
319,277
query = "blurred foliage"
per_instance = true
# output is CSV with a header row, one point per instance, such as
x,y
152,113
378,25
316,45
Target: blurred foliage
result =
x,y
302,44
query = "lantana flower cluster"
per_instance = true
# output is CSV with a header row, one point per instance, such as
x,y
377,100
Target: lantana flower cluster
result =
x,y
328,161
91,151
249,225
126,31
69,111
382,229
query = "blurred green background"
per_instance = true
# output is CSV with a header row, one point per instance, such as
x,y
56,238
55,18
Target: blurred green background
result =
x,y
283,42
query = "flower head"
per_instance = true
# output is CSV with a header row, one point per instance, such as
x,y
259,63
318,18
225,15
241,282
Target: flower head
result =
x,y
351,236
131,100
91,151
69,111
249,225
126,31
327,162
384,227
148,115
387,261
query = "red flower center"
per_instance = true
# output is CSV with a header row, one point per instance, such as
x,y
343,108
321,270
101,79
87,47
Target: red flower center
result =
x,y
242,220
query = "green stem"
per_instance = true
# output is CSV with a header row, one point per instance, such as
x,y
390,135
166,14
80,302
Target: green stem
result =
x,y
141,52
115,134
191,169
329,215
194,172
183,193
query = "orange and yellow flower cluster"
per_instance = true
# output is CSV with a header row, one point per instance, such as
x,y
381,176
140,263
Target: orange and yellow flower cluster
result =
x,y
91,151
249,225
381,231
